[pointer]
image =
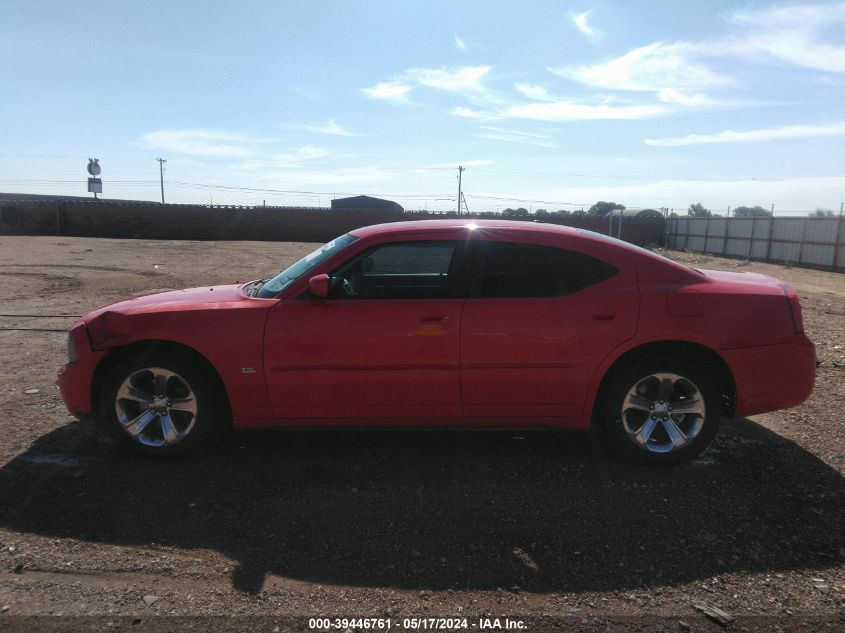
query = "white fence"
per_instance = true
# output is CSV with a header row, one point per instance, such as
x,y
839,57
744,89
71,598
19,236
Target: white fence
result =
x,y
811,242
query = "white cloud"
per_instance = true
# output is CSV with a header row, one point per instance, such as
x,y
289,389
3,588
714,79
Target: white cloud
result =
x,y
388,91
297,177
454,165
450,79
798,34
515,136
532,91
305,92
681,73
792,194
555,109
752,136
581,21
468,80
650,68
569,111
330,127
200,142
469,113
460,44
668,95
306,152
288,159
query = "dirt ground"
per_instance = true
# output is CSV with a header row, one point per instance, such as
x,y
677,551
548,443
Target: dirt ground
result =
x,y
288,525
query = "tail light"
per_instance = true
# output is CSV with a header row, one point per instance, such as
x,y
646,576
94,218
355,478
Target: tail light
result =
x,y
794,308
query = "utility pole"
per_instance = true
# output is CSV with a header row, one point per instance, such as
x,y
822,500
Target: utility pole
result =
x,y
161,162
460,171
841,207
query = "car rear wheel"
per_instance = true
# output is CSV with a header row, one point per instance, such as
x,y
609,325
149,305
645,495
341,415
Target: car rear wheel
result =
x,y
159,404
661,411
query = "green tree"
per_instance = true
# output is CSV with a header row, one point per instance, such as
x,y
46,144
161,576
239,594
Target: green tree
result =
x,y
751,212
603,208
541,212
697,210
822,213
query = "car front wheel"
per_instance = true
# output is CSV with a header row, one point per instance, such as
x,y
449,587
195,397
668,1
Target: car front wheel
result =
x,y
158,404
661,411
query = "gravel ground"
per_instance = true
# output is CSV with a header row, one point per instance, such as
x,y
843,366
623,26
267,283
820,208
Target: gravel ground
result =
x,y
276,527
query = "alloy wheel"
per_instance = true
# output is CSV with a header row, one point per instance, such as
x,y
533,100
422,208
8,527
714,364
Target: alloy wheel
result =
x,y
156,407
663,412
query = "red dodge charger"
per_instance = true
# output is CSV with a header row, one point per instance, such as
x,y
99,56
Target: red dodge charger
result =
x,y
445,322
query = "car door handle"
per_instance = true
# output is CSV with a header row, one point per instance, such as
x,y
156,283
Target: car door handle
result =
x,y
434,318
604,316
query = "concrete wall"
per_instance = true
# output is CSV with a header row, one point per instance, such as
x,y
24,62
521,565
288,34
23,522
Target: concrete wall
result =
x,y
104,218
810,242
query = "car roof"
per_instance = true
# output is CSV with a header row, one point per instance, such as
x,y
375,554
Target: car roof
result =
x,y
415,226
527,226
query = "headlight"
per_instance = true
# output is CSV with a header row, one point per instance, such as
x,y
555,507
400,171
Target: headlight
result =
x,y
72,356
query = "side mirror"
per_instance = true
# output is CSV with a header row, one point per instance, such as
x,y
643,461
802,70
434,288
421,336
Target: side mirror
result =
x,y
318,285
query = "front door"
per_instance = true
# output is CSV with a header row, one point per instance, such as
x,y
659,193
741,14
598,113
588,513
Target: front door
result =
x,y
382,347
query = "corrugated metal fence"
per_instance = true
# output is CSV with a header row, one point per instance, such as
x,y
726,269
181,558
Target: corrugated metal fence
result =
x,y
810,242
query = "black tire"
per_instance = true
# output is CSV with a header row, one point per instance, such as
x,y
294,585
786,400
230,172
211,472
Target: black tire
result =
x,y
641,375
207,418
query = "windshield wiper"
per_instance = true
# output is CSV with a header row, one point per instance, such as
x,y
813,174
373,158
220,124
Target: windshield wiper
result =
x,y
257,285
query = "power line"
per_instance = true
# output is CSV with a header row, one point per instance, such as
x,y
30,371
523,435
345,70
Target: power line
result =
x,y
440,197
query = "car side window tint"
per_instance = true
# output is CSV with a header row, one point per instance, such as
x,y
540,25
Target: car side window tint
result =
x,y
402,270
412,259
511,269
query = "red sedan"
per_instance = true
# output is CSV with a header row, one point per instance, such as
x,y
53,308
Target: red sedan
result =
x,y
488,323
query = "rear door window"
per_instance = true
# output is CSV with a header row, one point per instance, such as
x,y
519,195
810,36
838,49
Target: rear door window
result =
x,y
513,269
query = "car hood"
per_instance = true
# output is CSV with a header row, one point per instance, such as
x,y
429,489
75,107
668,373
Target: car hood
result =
x,y
158,315
206,297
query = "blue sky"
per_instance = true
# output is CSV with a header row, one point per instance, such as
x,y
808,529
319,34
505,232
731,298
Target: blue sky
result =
x,y
548,104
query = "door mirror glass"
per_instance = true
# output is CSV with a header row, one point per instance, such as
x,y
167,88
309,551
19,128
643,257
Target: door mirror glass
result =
x,y
318,285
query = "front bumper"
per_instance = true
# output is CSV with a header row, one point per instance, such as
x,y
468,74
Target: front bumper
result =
x,y
75,380
772,377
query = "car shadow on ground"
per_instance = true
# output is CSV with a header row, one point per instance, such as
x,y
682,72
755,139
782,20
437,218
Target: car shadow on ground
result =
x,y
443,509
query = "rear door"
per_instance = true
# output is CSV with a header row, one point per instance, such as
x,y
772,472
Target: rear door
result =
x,y
538,321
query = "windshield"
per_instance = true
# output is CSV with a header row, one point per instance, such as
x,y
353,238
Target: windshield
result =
x,y
273,286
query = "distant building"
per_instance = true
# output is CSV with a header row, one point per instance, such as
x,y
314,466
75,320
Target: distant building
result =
x,y
366,202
